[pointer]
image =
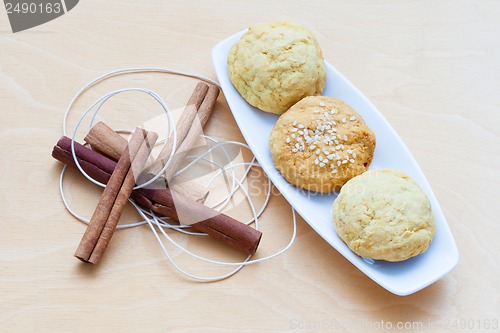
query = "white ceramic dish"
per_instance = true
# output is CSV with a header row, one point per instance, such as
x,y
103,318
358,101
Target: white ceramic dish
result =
x,y
402,278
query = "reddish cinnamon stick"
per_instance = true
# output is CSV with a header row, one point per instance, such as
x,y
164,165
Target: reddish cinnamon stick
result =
x,y
218,225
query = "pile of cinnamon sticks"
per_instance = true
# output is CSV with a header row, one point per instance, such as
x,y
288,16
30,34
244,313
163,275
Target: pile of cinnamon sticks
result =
x,y
182,203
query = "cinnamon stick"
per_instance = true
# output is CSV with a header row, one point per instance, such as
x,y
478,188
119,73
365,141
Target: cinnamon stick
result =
x,y
136,168
103,139
211,222
161,201
114,197
182,127
195,130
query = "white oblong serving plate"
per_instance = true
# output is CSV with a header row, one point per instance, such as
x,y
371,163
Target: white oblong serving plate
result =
x,y
400,278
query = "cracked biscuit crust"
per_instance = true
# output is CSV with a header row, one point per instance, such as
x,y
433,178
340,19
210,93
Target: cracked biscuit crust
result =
x,y
320,143
384,215
275,65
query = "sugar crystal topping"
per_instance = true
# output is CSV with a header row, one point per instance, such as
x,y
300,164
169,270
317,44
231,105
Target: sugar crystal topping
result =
x,y
308,140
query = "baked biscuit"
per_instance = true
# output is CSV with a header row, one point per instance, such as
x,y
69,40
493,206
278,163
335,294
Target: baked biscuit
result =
x,y
383,214
320,143
275,65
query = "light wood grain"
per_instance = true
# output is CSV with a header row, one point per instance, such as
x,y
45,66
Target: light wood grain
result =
x,y
431,67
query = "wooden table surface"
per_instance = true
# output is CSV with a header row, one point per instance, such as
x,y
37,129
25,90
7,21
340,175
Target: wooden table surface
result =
x,y
432,68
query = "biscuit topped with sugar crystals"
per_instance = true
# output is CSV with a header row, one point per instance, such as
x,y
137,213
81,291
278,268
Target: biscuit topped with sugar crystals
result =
x,y
275,65
320,143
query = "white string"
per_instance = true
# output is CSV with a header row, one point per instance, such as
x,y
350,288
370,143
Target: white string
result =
x,y
172,261
158,225
101,101
128,71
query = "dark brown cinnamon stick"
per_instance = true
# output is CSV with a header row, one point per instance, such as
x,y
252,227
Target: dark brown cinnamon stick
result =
x,y
218,225
221,226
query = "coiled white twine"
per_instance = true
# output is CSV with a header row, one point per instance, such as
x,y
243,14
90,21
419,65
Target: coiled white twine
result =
x,y
159,225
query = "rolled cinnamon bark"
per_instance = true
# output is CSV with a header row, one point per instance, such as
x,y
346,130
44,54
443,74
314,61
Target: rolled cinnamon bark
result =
x,y
189,128
103,139
194,131
114,197
163,201
182,127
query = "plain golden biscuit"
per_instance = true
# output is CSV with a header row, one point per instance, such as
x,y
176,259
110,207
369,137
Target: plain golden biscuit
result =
x,y
275,65
321,143
384,215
